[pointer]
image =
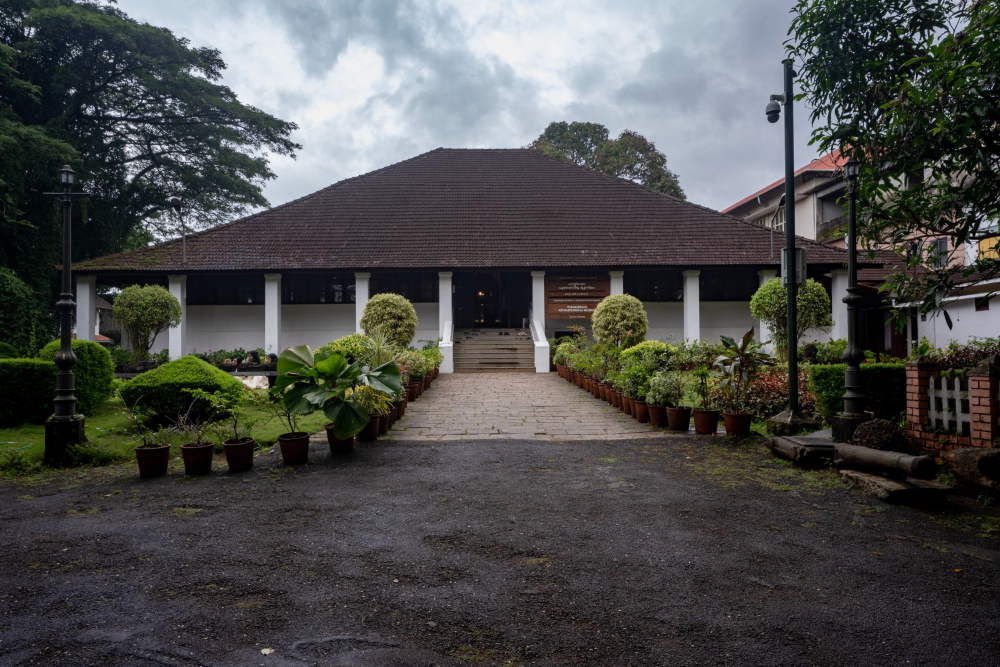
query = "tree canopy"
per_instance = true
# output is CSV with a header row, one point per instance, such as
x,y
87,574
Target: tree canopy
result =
x,y
910,88
769,304
138,112
631,156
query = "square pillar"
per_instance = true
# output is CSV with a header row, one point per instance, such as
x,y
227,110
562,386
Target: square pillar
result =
x,y
177,336
360,298
838,284
617,282
538,299
272,313
763,277
984,402
86,307
692,305
919,372
444,303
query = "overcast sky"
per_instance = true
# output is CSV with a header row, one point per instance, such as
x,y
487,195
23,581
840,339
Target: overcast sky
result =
x,y
373,82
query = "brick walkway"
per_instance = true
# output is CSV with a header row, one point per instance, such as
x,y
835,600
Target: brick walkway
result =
x,y
512,405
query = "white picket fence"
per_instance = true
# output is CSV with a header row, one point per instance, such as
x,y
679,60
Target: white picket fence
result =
x,y
949,402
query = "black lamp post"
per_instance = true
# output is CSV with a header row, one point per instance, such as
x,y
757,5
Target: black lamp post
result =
x,y
65,427
854,392
792,419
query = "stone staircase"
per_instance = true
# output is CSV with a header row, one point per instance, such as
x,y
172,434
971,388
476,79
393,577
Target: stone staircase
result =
x,y
494,351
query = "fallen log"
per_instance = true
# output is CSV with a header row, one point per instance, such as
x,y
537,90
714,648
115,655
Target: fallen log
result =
x,y
975,466
866,458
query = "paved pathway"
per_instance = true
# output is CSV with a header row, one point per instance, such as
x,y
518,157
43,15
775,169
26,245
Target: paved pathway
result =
x,y
513,405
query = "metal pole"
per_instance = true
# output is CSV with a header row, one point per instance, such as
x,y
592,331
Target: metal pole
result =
x,y
792,347
65,402
854,394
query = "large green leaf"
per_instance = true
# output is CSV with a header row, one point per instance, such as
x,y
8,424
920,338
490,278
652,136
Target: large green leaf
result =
x,y
347,418
331,367
304,398
385,378
293,360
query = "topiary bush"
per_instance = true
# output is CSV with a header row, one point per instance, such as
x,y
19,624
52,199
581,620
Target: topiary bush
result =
x,y
879,434
145,312
353,347
27,391
160,392
393,315
94,373
620,320
885,389
769,304
8,351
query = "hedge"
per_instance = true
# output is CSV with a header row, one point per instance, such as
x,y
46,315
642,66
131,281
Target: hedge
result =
x,y
8,351
93,373
161,392
885,389
27,391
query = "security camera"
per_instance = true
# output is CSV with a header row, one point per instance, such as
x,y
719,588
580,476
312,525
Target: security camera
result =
x,y
773,111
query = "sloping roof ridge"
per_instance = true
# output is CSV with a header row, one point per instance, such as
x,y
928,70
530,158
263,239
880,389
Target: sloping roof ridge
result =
x,y
826,159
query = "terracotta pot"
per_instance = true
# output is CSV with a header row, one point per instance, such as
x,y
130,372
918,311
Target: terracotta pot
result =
x,y
338,446
586,384
402,405
628,406
578,379
605,393
678,419
197,458
706,422
737,423
239,454
641,412
294,448
152,460
616,399
370,432
420,388
411,392
597,390
383,424
621,400
657,414
427,383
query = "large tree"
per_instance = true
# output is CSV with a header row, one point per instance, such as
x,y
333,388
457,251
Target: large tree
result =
x,y
630,156
138,112
912,89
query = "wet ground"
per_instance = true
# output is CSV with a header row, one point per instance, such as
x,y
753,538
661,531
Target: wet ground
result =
x,y
641,552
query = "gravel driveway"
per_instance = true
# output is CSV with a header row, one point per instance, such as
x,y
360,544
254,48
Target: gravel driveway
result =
x,y
521,552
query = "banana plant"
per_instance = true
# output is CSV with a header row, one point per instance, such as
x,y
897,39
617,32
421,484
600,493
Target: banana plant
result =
x,y
308,382
739,366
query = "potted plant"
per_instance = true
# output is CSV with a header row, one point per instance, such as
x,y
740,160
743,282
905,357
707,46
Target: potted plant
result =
x,y
235,430
738,366
197,455
657,398
295,443
151,454
706,417
678,416
345,391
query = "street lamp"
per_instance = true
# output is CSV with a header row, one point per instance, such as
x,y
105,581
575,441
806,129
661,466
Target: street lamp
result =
x,y
854,392
792,419
65,427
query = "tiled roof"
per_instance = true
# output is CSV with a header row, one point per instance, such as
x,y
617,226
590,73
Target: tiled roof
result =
x,y
461,209
830,162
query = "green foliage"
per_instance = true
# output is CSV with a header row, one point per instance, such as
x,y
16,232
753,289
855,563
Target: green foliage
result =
x,y
770,305
94,372
119,357
18,464
909,88
413,364
392,315
704,385
665,388
690,354
145,311
619,320
162,391
884,384
738,366
20,314
27,391
8,351
353,347
631,156
832,352
563,350
639,363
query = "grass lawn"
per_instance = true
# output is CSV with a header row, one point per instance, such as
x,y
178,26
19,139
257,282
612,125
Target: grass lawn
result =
x,y
22,448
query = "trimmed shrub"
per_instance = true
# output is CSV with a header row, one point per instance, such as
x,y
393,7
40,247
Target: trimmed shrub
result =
x,y
885,389
769,304
767,395
145,312
880,434
27,391
8,351
19,314
393,315
619,320
161,392
353,347
94,372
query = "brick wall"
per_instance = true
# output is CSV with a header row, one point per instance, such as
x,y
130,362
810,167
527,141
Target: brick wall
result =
x,y
984,407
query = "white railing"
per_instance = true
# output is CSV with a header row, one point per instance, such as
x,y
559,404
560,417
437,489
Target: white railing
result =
x,y
541,343
447,347
949,402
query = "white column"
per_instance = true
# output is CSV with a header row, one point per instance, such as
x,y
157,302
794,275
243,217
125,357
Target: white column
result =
x,y
86,307
444,302
764,277
538,298
176,339
617,282
838,290
360,297
692,306
272,313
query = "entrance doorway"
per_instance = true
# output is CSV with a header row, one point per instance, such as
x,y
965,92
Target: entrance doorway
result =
x,y
491,299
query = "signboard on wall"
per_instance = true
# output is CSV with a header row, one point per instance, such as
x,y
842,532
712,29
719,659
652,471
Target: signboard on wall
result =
x,y
574,297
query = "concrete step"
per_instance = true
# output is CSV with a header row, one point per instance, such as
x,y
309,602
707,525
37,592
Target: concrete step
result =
x,y
495,370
